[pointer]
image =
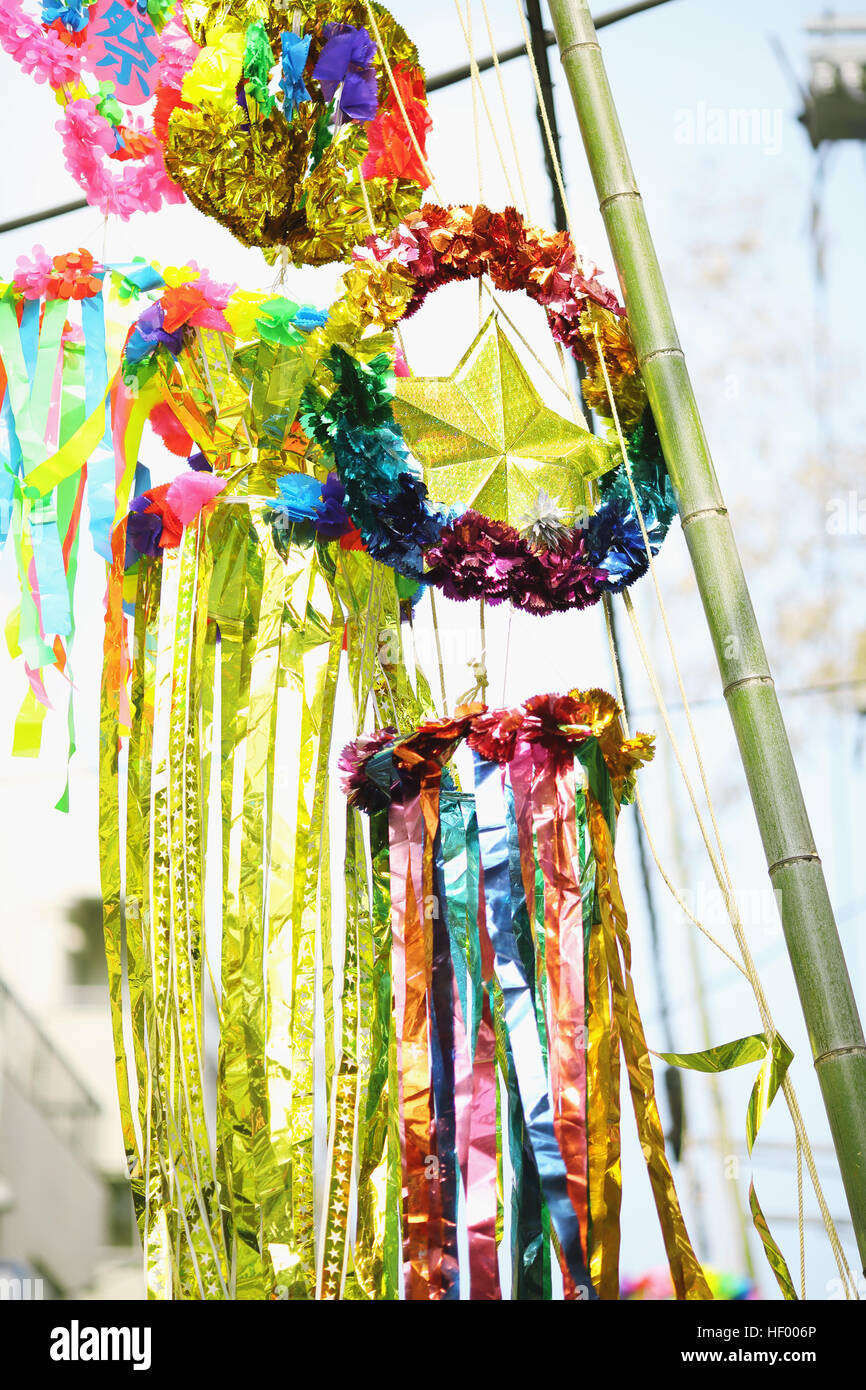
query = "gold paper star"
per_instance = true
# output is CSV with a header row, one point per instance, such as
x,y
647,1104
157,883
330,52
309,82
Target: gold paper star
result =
x,y
485,437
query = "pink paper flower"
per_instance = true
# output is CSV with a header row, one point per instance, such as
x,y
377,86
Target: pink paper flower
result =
x,y
31,276
177,53
189,492
140,186
39,52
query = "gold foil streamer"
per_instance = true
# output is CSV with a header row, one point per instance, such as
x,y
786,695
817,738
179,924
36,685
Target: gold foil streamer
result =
x,y
334,1251
110,875
603,1124
686,1272
310,905
374,1278
207,1233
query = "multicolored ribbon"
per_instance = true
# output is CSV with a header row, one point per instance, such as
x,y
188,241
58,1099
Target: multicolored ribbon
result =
x,y
534,960
58,357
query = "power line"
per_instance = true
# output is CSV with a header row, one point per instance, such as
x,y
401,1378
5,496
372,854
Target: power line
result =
x,y
819,688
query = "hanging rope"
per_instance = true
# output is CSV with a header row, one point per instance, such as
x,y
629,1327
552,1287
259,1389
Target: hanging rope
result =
x,y
719,865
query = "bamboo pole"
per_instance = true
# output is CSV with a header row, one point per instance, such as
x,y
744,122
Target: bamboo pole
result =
x,y
826,996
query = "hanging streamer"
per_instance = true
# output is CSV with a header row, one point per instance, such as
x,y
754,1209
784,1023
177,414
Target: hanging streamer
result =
x,y
510,895
775,1057
55,432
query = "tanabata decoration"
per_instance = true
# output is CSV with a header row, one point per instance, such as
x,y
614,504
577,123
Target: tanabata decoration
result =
x,y
496,946
108,61
236,606
300,123
59,431
488,442
557,557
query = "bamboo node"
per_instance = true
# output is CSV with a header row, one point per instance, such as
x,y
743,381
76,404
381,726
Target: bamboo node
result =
x,y
857,1050
577,45
747,680
703,511
810,856
647,357
605,202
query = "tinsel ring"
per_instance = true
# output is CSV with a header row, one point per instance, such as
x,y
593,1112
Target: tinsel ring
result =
x,y
289,132
542,568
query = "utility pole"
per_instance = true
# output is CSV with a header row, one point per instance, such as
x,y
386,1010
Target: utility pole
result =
x,y
826,996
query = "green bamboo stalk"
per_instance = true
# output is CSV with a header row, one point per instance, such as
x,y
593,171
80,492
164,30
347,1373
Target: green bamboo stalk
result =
x,y
826,996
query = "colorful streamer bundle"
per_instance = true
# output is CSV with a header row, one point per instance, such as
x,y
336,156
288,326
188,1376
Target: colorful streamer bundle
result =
x,y
296,125
499,932
59,432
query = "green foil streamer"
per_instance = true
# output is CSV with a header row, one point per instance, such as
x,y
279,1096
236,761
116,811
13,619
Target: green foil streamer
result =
x,y
775,1057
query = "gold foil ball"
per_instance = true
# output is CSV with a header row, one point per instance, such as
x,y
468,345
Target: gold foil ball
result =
x,y
263,178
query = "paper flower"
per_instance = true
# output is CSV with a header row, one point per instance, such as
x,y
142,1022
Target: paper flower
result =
x,y
70,14
405,524
243,310
275,321
332,519
258,61
557,722
31,276
295,50
189,492
142,186
392,153
353,763
108,106
132,144
299,496
149,334
542,523
177,53
494,734
42,54
156,519
151,525
165,423
307,319
72,277
303,498
346,66
191,304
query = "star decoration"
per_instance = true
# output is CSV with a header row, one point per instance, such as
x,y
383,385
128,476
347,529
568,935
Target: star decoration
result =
x,y
486,439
